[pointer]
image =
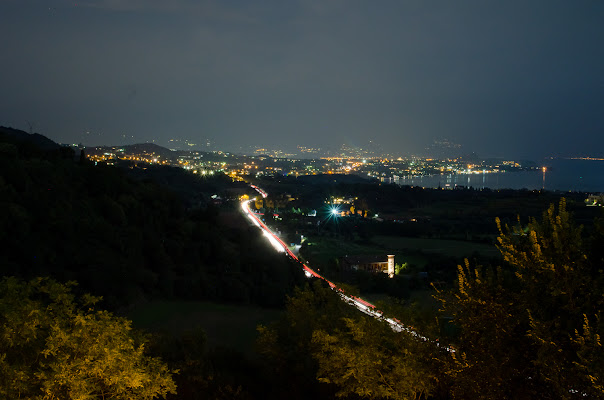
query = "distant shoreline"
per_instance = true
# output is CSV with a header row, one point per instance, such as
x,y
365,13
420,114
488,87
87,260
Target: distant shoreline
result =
x,y
583,158
579,178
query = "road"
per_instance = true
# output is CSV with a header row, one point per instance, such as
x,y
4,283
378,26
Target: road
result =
x,y
280,246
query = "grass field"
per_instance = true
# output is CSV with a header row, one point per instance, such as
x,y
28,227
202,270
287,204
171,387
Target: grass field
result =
x,y
454,248
410,250
323,250
226,325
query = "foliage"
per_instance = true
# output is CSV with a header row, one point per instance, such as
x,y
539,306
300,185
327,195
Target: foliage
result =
x,y
489,361
286,345
531,329
370,360
54,346
325,339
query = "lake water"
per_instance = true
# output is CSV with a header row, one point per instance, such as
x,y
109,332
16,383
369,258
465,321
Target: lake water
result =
x,y
561,174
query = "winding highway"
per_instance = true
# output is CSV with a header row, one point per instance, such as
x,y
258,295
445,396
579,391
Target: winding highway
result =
x,y
279,245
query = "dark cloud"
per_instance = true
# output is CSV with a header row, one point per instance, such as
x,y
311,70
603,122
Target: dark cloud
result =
x,y
502,78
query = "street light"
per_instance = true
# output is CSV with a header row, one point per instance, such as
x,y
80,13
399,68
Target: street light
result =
x,y
335,214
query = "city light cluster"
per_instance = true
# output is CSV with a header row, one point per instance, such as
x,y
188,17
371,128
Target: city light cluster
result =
x,y
261,164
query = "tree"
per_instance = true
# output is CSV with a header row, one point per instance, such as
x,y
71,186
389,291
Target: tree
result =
x,y
83,158
367,358
563,294
532,328
286,345
490,360
56,346
324,339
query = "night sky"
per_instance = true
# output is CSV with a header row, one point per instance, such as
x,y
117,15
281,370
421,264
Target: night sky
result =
x,y
501,78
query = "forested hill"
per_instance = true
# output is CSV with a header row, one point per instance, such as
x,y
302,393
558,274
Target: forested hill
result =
x,y
128,238
33,140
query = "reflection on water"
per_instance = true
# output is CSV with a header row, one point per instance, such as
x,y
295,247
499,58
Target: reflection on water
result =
x,y
565,175
507,180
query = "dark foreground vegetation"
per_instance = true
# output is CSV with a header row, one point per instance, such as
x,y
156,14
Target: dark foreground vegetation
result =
x,y
526,325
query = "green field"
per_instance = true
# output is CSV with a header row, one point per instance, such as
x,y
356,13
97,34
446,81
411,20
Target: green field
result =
x,y
322,250
226,325
453,248
415,251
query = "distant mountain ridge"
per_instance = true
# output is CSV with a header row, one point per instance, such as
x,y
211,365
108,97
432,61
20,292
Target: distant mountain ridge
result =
x,y
40,141
150,148
147,147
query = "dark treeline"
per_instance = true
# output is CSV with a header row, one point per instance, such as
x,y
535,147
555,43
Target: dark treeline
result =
x,y
128,238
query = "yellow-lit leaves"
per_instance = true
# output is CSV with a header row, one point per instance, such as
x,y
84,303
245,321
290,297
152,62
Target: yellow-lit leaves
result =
x,y
56,350
368,359
536,317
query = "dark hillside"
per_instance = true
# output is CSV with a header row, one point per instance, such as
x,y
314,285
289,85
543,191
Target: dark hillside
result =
x,y
21,137
128,239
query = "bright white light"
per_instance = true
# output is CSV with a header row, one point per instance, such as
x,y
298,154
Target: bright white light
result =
x,y
246,210
274,242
